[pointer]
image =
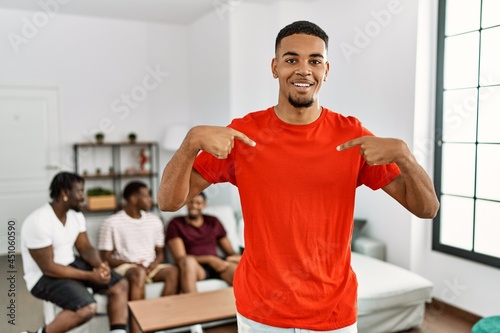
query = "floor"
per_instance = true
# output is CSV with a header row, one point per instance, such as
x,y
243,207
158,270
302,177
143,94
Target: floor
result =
x,y
439,318
27,313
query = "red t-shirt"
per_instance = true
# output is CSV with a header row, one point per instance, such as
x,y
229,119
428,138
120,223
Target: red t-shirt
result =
x,y
197,241
297,196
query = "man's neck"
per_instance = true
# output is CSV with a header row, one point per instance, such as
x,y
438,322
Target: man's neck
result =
x,y
133,212
298,116
60,210
195,221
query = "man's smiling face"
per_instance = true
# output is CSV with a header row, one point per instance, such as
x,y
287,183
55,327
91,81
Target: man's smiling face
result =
x,y
300,65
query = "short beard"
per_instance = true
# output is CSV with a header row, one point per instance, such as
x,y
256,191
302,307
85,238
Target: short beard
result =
x,y
300,104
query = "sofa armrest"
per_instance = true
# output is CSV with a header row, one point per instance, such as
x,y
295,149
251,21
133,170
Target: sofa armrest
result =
x,y
370,247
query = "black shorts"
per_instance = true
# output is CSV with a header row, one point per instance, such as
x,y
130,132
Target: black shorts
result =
x,y
71,294
210,272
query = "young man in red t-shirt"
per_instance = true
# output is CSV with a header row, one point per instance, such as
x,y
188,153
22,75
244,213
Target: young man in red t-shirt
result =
x,y
297,166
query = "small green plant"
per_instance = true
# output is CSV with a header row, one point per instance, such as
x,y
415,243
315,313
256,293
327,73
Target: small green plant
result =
x,y
98,191
132,137
99,137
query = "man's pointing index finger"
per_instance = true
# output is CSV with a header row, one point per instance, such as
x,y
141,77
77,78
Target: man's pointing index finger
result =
x,y
350,144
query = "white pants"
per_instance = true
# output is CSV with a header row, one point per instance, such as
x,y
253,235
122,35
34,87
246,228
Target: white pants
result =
x,y
246,325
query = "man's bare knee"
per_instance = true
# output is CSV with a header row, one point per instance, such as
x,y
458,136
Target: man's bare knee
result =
x,y
87,312
188,262
120,287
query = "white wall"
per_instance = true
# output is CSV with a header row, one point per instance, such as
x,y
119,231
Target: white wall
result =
x,y
98,62
468,285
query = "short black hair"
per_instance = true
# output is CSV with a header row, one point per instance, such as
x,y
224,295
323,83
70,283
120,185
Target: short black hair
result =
x,y
203,195
133,188
301,27
64,181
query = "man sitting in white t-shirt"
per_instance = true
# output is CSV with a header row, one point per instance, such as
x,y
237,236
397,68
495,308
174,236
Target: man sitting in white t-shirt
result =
x,y
54,273
132,242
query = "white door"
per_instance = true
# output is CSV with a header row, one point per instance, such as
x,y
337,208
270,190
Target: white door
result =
x,y
29,155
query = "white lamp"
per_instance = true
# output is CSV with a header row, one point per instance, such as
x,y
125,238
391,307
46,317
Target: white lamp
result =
x,y
174,135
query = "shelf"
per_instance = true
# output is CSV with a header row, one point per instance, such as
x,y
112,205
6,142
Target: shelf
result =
x,y
115,151
85,209
115,144
121,175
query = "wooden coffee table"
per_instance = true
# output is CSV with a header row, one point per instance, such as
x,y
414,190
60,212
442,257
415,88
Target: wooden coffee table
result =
x,y
183,310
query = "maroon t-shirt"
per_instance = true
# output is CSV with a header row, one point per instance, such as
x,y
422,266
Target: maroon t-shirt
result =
x,y
198,241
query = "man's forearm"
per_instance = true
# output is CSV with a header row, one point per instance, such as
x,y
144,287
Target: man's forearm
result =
x,y
65,272
420,195
91,256
174,185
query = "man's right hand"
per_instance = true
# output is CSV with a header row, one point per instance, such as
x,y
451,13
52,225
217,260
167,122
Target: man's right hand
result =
x,y
216,140
100,274
219,264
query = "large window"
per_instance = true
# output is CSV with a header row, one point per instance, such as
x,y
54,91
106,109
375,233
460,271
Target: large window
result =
x,y
467,160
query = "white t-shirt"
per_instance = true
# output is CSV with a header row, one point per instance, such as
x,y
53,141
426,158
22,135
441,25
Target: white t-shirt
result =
x,y
42,228
132,240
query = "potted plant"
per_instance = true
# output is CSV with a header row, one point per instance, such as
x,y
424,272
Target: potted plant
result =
x,y
99,198
99,137
132,137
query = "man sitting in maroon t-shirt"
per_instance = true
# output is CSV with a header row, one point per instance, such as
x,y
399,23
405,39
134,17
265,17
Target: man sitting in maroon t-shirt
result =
x,y
193,241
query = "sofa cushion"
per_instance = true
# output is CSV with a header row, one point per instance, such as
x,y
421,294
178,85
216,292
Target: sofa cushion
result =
x,y
382,285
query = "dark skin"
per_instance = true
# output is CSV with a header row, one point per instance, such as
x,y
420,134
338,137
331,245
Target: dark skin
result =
x,y
190,266
44,258
137,274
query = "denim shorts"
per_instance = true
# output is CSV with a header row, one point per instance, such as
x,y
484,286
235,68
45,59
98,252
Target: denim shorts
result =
x,y
246,325
71,294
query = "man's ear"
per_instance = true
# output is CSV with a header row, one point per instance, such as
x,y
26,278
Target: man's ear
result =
x,y
274,69
64,195
133,199
327,70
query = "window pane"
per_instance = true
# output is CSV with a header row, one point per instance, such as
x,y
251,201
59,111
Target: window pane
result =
x,y
489,114
456,222
462,16
458,169
491,13
460,113
488,175
461,61
490,55
487,228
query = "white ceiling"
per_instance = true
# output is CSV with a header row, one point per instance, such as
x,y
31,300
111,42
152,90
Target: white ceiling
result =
x,y
166,11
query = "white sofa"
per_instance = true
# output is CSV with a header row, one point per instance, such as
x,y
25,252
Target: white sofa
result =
x,y
390,298
100,323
